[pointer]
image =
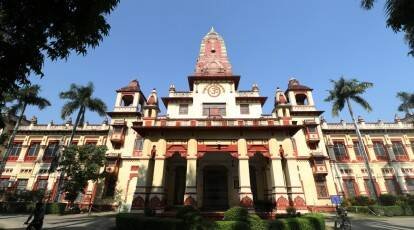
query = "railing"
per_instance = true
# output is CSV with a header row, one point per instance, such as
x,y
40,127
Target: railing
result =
x,y
181,94
215,122
296,108
63,128
126,109
247,94
341,126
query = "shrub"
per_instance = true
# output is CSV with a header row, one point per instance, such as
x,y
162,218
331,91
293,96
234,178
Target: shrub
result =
x,y
264,205
291,211
387,199
231,225
393,210
256,223
126,221
317,220
55,208
236,214
362,201
149,212
307,222
192,218
377,209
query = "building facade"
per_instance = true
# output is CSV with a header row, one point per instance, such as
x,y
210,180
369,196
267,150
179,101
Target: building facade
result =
x,y
215,148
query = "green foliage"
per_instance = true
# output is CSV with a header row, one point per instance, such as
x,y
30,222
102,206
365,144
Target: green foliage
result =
x,y
345,90
126,221
400,17
192,218
16,207
387,199
264,205
256,223
236,214
359,209
407,102
81,164
306,222
362,201
291,211
231,225
52,28
55,208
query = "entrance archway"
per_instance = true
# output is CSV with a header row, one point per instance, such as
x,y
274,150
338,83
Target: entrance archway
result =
x,y
215,194
175,179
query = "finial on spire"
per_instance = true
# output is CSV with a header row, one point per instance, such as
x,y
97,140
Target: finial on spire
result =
x,y
212,30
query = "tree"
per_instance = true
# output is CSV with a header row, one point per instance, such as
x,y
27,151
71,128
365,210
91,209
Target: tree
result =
x,y
343,92
31,30
407,102
81,164
400,15
28,95
80,98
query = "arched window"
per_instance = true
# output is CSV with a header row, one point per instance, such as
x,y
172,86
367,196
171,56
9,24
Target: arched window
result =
x,y
301,99
127,100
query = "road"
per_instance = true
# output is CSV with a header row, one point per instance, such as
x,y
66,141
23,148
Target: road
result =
x,y
98,221
365,222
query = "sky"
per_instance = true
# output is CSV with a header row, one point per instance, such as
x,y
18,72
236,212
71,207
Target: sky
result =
x,y
268,42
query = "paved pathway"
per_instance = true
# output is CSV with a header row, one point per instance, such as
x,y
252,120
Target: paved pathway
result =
x,y
98,221
366,222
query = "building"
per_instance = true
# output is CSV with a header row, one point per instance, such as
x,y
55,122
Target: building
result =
x,y
215,148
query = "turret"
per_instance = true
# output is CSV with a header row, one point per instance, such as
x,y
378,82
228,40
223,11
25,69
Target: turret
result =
x,y
281,105
151,109
129,98
299,95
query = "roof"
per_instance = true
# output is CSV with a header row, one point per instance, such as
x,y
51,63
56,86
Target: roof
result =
x,y
133,86
294,85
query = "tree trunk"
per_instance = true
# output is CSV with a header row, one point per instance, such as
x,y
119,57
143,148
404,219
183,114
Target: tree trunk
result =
x,y
362,149
11,138
62,173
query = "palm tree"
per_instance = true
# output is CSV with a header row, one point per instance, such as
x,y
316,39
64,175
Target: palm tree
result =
x,y
80,99
343,92
26,96
407,102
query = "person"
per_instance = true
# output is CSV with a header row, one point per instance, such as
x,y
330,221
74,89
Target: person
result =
x,y
38,215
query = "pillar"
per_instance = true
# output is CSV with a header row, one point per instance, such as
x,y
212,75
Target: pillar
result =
x,y
157,198
190,193
296,191
401,180
278,191
245,192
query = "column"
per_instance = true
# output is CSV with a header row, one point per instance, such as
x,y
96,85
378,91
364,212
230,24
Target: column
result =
x,y
401,180
279,194
296,190
245,192
370,151
157,199
388,145
350,148
190,193
143,178
409,147
361,185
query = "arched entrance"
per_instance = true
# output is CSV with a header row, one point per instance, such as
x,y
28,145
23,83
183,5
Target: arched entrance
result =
x,y
175,179
215,184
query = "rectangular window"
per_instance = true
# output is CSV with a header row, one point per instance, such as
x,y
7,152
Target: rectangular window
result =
x,y
368,188
350,188
312,129
379,149
91,143
244,109
398,148
214,109
321,187
117,129
21,184
183,109
33,149
41,184
139,143
15,149
357,149
51,149
4,183
410,183
340,149
391,186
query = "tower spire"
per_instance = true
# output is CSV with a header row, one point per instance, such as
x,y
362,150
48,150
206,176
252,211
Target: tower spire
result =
x,y
212,59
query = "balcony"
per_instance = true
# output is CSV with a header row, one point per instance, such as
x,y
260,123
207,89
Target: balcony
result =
x,y
344,158
118,137
312,137
320,169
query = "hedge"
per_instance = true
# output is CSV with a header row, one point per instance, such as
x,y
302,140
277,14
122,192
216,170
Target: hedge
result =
x,y
55,208
126,221
394,210
231,225
16,207
236,214
306,222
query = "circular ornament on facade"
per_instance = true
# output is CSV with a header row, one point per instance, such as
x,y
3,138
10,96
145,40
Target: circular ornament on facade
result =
x,y
214,90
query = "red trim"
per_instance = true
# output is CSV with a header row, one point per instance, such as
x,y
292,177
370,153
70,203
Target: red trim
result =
x,y
172,149
253,149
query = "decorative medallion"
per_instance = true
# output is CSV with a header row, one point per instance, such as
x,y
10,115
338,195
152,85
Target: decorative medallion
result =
x,y
214,90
